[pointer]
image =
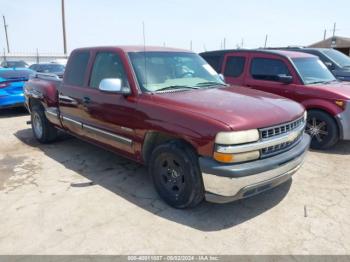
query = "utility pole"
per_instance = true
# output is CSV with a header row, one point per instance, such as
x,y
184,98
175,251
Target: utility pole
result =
x,y
334,29
37,56
144,35
191,45
325,34
64,29
7,38
267,36
224,43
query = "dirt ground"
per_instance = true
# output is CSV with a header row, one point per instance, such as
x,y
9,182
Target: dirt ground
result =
x,y
71,197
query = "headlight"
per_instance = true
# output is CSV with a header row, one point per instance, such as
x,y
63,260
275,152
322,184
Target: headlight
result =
x,y
236,158
237,137
224,139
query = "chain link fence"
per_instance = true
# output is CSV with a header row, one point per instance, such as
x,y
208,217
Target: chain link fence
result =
x,y
34,57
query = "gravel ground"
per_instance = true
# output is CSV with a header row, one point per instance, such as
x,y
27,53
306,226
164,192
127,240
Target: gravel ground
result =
x,y
71,197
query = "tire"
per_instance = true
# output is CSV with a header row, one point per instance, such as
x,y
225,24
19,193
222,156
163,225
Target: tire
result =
x,y
176,174
322,128
42,129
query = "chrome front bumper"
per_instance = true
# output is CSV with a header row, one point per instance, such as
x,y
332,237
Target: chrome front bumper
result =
x,y
343,120
226,183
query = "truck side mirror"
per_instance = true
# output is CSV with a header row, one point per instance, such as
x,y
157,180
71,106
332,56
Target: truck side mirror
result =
x,y
330,65
285,79
113,85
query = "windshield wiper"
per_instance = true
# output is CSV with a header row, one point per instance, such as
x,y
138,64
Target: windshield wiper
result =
x,y
211,83
176,87
324,82
318,82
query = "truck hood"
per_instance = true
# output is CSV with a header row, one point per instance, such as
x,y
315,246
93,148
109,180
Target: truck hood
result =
x,y
238,107
335,90
343,74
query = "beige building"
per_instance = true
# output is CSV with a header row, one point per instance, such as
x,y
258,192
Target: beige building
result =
x,y
339,43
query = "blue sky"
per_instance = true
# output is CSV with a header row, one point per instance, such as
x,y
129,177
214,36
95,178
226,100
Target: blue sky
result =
x,y
37,24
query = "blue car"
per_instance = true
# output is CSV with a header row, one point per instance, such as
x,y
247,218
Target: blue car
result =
x,y
11,86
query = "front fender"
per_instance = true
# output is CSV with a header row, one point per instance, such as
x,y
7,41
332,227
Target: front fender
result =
x,y
202,144
320,104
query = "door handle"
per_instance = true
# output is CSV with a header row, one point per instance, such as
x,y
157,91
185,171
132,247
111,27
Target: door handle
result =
x,y
86,100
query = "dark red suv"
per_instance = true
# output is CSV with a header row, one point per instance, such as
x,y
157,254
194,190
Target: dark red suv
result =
x,y
298,76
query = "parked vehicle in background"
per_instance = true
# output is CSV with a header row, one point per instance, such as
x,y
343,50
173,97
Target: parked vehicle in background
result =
x,y
337,62
298,76
51,68
168,109
11,86
14,64
61,61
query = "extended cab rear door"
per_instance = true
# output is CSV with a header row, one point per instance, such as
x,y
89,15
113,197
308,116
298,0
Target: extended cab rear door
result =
x,y
71,92
264,71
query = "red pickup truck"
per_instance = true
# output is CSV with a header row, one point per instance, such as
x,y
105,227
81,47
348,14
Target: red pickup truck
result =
x,y
168,109
295,75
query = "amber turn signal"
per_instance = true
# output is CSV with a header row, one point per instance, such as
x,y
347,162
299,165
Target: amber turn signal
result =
x,y
236,158
224,158
340,103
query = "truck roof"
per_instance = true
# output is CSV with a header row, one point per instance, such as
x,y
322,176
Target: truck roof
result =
x,y
136,48
286,53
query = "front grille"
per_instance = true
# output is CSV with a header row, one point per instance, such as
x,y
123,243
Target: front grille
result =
x,y
268,133
280,129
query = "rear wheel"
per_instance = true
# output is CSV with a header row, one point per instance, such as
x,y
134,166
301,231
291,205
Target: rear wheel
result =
x,y
322,128
43,130
176,175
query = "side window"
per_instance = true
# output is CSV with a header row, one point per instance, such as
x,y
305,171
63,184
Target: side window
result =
x,y
234,66
77,65
107,65
268,69
214,61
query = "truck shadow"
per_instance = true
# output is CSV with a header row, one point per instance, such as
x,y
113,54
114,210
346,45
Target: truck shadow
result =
x,y
13,112
341,148
131,181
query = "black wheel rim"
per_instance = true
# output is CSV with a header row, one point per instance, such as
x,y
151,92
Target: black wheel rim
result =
x,y
317,129
171,174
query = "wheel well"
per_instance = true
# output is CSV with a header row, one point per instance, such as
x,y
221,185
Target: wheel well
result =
x,y
34,102
154,139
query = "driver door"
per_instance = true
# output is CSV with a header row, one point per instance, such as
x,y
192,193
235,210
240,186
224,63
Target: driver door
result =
x,y
263,75
110,117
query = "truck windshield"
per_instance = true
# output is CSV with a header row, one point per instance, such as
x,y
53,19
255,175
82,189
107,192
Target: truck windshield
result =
x,y
337,57
312,70
158,71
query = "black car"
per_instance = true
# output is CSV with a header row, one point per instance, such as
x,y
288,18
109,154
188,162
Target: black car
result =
x,y
13,64
337,62
50,68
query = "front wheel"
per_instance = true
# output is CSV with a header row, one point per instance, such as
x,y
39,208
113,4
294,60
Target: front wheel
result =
x,y
43,130
322,128
176,174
